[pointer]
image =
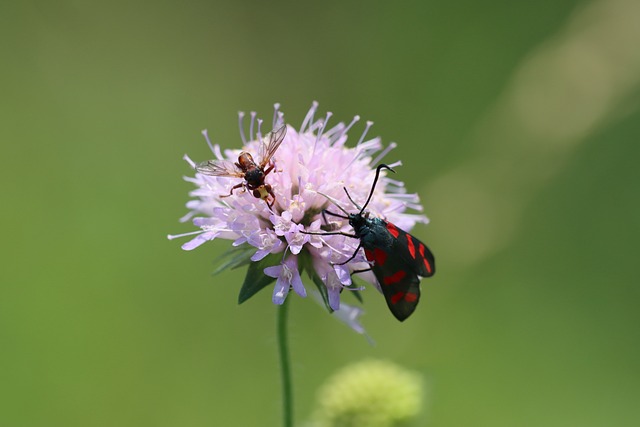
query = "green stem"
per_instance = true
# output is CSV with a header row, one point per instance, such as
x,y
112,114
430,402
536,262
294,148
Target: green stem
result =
x,y
285,365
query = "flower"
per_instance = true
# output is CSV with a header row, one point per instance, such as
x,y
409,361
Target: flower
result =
x,y
312,161
288,277
372,393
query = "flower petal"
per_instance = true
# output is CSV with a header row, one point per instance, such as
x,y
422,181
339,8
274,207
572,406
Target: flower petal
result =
x,y
350,315
280,291
198,240
298,286
273,271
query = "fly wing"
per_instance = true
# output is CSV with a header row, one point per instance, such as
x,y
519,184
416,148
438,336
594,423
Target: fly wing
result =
x,y
270,144
219,168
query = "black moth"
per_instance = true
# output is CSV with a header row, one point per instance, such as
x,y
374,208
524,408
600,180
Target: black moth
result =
x,y
398,258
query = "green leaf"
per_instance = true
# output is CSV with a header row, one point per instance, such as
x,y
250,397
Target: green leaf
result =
x,y
355,292
322,288
255,279
237,257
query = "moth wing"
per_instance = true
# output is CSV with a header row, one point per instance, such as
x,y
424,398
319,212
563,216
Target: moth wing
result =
x,y
399,283
415,253
399,260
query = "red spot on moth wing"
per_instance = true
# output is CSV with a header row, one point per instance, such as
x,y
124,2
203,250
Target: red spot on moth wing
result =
x,y
368,253
411,297
396,297
380,256
395,277
393,230
426,263
428,266
377,255
411,247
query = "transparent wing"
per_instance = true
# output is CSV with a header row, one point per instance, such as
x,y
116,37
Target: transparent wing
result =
x,y
219,168
270,144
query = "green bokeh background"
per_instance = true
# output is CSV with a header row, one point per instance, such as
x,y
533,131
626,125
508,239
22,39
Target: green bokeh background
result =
x,y
517,123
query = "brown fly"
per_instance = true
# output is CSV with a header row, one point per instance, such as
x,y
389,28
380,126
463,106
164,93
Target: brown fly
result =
x,y
252,173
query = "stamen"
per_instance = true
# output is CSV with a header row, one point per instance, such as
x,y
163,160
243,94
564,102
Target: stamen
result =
x,y
406,197
259,133
188,160
176,236
324,125
206,136
329,133
410,197
315,125
279,294
394,182
217,152
334,250
284,254
280,120
395,164
364,149
398,207
190,179
370,146
253,118
240,121
415,206
187,217
309,117
366,129
276,107
384,153
346,129
332,200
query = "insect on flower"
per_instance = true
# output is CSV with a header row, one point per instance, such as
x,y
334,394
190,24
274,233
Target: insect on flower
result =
x,y
277,242
397,258
252,173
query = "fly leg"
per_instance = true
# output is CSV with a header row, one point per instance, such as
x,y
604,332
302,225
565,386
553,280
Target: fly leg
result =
x,y
233,188
269,169
273,196
272,165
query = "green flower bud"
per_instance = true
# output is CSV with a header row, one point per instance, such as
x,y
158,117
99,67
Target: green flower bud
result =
x,y
372,393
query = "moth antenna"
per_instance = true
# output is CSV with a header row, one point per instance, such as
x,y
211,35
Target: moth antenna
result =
x,y
334,201
373,186
351,200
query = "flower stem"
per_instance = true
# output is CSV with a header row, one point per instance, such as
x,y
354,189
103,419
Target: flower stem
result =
x,y
285,365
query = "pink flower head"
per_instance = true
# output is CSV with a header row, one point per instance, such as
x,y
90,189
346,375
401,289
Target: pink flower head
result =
x,y
312,161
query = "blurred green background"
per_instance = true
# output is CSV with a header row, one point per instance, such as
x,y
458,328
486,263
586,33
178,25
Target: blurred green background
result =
x,y
518,125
